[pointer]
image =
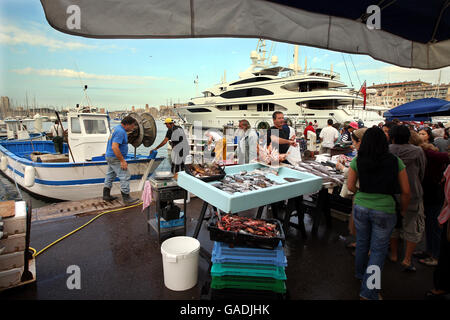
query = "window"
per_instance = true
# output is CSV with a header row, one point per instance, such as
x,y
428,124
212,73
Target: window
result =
x,y
228,108
241,93
198,110
250,80
242,107
94,126
265,107
75,125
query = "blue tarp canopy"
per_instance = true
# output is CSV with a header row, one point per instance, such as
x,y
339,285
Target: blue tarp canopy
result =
x,y
419,110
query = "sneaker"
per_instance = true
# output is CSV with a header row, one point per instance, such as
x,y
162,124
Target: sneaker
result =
x,y
431,262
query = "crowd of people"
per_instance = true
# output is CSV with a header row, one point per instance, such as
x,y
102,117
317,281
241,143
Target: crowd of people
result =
x,y
398,180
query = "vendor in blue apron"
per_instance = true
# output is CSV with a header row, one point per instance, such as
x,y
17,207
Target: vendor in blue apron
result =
x,y
178,141
116,152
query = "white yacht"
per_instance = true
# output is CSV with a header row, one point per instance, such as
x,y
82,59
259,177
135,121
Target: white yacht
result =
x,y
302,95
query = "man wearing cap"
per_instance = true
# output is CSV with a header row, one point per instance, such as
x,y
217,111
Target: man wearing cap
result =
x,y
178,141
347,135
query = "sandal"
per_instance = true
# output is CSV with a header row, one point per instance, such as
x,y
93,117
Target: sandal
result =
x,y
431,262
408,268
421,254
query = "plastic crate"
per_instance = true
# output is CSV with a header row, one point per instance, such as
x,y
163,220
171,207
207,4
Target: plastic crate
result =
x,y
241,239
248,270
250,283
222,253
171,223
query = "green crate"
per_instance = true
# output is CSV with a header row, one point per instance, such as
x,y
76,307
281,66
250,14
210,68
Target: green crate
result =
x,y
248,270
252,283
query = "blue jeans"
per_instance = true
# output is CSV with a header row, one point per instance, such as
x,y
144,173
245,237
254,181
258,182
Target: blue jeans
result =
x,y
114,170
373,232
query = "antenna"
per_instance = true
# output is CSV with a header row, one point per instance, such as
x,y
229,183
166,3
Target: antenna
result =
x,y
196,86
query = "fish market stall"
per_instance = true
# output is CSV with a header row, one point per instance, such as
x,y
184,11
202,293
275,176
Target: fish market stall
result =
x,y
250,186
242,187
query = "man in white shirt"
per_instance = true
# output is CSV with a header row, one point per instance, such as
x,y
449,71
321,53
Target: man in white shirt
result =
x,y
328,137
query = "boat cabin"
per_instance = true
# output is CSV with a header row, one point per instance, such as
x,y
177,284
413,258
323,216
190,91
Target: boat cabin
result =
x,y
88,135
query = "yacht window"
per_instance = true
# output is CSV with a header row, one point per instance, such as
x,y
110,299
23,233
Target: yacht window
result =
x,y
75,125
241,93
94,126
250,80
242,107
265,107
199,110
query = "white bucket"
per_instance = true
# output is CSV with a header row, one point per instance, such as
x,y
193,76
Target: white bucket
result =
x,y
180,262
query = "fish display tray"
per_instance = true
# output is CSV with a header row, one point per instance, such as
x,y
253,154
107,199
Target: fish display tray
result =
x,y
188,169
248,270
244,239
222,253
241,201
251,283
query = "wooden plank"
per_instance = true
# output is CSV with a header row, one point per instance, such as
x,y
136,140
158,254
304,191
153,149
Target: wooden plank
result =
x,y
7,209
32,269
78,208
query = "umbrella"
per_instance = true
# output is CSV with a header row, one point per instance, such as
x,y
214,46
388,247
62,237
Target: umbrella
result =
x,y
419,110
406,33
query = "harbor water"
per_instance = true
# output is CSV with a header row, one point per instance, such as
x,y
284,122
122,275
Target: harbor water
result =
x,y
9,191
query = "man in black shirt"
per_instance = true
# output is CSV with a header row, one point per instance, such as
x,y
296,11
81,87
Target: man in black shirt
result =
x,y
178,141
278,134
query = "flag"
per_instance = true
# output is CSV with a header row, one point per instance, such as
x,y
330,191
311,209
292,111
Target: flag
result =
x,y
363,91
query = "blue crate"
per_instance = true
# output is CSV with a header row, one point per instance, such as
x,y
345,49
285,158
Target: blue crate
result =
x,y
171,223
222,253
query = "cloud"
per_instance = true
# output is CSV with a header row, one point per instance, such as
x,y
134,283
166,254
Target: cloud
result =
x,y
68,73
12,35
394,73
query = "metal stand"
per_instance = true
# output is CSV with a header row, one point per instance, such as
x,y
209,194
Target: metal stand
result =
x,y
166,194
205,254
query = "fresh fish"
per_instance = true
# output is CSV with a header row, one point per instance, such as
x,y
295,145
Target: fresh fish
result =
x,y
288,179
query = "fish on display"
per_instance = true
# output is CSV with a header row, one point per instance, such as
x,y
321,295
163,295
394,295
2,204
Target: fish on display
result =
x,y
249,181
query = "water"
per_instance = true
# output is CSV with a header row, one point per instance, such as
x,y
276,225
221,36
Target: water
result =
x,y
8,190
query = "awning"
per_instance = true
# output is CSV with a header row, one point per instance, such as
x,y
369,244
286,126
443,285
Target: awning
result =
x,y
419,110
412,33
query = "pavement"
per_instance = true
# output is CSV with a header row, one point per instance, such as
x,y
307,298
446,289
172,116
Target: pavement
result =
x,y
118,258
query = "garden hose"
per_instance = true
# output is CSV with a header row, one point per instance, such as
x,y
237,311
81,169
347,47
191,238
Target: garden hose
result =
x,y
36,253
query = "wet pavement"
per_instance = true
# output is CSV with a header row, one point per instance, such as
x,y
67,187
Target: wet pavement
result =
x,y
119,259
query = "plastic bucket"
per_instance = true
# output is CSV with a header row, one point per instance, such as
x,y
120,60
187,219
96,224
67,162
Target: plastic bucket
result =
x,y
180,262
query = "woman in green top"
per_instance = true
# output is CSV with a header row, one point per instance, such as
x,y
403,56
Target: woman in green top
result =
x,y
380,175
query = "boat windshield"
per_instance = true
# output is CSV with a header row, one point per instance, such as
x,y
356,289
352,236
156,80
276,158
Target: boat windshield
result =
x,y
94,126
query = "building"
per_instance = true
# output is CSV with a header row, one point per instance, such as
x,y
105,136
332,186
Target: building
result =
x,y
394,94
5,107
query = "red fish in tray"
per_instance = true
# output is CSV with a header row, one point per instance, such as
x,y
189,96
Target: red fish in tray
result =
x,y
246,225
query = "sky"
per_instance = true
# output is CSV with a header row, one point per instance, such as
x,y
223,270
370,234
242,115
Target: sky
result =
x,y
41,64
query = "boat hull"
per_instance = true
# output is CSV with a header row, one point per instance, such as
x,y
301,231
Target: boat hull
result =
x,y
66,181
